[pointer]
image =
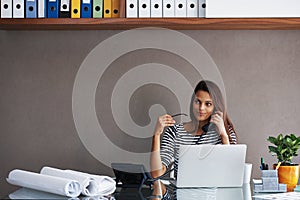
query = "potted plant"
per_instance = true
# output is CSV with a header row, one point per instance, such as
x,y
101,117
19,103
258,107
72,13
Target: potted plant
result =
x,y
285,148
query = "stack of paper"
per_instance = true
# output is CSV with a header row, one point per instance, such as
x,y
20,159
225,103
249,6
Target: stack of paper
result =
x,y
63,182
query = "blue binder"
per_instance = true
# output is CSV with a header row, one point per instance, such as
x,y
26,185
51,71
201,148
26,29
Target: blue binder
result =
x,y
52,8
86,9
31,8
41,8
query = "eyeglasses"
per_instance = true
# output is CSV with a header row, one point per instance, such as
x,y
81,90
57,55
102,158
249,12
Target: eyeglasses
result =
x,y
176,115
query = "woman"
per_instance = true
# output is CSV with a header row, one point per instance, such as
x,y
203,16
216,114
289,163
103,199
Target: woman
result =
x,y
209,125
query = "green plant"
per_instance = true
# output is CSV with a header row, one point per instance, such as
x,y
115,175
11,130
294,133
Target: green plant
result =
x,y
285,147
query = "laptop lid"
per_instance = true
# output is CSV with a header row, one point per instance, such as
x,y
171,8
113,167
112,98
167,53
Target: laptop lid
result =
x,y
211,165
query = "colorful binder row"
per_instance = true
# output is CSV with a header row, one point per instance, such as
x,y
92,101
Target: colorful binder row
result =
x,y
102,8
165,8
60,8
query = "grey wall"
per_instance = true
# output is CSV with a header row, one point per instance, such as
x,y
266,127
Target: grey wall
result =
x,y
260,70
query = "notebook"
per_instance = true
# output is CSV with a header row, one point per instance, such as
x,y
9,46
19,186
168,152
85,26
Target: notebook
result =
x,y
211,166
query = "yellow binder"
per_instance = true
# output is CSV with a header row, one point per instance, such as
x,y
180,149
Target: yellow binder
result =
x,y
115,11
107,8
75,8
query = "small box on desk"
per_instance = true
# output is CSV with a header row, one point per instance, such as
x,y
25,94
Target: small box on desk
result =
x,y
270,183
269,173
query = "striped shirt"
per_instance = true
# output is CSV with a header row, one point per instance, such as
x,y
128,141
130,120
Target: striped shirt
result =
x,y
176,135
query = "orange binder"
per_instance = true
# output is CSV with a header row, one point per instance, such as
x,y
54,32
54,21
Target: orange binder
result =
x,y
107,8
115,11
122,8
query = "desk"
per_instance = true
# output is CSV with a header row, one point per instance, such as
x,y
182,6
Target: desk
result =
x,y
243,193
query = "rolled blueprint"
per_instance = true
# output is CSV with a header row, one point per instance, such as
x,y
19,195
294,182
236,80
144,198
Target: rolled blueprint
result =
x,y
105,184
46,183
89,187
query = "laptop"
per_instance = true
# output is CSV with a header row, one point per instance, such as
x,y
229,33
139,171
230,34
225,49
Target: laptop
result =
x,y
211,166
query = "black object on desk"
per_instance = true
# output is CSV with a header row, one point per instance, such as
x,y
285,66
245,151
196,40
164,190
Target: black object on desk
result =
x,y
133,194
131,175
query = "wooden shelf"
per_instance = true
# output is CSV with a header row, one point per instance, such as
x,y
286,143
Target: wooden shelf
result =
x,y
171,23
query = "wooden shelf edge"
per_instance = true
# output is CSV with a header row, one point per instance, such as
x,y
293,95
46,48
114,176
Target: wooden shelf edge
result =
x,y
171,23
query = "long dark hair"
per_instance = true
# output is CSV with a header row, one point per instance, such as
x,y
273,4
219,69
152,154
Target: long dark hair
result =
x,y
218,101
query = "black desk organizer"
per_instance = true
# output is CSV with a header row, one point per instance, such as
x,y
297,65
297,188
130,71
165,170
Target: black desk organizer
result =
x,y
131,178
131,175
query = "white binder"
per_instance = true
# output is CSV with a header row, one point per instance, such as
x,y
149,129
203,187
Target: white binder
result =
x,y
18,9
144,8
6,8
156,8
180,8
168,8
192,8
131,8
202,8
65,5
252,8
41,8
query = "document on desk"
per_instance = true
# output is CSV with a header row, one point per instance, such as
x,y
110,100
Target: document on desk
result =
x,y
281,196
41,182
91,185
63,182
105,184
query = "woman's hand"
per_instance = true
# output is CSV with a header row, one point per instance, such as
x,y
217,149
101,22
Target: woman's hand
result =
x,y
217,119
162,122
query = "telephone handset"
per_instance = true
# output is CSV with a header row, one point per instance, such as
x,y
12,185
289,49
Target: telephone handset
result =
x,y
210,125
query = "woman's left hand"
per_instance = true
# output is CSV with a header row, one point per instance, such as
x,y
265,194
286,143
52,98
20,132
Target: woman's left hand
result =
x,y
217,119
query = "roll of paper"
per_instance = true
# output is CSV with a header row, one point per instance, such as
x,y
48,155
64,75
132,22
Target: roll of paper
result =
x,y
105,184
89,187
46,183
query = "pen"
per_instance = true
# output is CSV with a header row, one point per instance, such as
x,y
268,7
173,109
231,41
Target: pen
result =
x,y
278,165
263,166
262,163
